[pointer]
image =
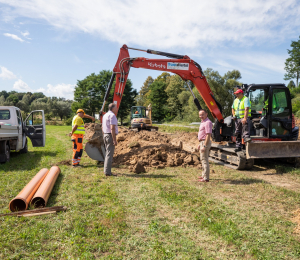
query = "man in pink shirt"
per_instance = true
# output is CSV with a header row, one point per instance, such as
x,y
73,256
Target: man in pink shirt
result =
x,y
110,131
204,136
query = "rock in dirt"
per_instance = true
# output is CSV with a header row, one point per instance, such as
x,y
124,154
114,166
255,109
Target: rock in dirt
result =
x,y
138,168
134,144
120,138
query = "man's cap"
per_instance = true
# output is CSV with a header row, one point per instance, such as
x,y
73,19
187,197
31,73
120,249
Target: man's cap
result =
x,y
80,110
239,91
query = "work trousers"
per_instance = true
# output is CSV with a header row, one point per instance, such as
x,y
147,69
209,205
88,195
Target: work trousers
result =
x,y
109,153
204,159
241,130
77,148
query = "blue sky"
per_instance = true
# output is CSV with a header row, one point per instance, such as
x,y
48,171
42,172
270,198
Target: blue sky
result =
x,y
48,45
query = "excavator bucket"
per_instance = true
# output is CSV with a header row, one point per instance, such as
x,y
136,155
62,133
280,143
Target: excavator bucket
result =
x,y
94,153
276,149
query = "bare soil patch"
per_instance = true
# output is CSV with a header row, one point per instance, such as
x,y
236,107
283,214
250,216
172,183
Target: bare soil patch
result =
x,y
141,150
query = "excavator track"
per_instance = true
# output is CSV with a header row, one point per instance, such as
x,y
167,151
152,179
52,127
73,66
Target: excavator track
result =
x,y
225,155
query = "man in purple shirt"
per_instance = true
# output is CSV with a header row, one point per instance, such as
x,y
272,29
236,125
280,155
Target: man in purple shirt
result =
x,y
110,130
204,136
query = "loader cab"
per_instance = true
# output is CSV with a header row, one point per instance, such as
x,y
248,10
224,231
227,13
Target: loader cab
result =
x,y
271,111
138,112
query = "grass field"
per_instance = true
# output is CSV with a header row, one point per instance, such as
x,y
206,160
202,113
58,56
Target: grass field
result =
x,y
162,214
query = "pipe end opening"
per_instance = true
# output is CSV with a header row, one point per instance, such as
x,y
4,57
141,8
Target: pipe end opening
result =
x,y
17,205
38,202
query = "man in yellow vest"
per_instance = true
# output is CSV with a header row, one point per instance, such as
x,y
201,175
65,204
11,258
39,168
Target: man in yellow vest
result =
x,y
77,136
241,111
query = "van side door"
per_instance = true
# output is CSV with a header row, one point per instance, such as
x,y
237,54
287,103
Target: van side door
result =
x,y
35,128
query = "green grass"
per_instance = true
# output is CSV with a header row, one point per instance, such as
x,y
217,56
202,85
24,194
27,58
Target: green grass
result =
x,y
174,129
162,214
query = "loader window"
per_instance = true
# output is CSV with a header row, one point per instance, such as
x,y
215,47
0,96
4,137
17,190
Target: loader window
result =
x,y
4,115
257,98
280,111
279,104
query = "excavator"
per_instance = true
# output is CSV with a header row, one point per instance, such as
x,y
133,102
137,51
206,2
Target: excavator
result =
x,y
273,131
141,118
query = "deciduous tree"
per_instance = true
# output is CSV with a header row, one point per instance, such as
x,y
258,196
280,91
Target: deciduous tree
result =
x,y
141,98
292,64
158,98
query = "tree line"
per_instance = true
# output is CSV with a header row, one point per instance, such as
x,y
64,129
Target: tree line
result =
x,y
52,106
168,94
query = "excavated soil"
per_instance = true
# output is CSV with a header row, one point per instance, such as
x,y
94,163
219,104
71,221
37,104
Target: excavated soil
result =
x,y
64,162
296,219
142,150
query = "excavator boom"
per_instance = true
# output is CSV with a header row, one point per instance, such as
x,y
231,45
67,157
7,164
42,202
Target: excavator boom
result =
x,y
181,65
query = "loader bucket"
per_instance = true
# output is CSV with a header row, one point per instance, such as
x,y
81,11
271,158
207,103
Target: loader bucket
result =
x,y
94,153
276,149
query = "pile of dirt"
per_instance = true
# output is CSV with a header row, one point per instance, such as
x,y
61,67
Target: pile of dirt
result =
x,y
146,149
93,133
141,150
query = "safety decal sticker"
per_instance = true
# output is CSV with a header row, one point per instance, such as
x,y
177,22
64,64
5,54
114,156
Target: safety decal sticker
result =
x,y
177,66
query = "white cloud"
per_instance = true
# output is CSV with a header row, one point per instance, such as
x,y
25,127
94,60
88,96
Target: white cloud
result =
x,y
13,36
59,90
26,34
168,24
6,74
21,86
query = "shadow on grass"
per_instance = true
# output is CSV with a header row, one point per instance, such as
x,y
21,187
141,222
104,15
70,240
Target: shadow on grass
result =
x,y
246,181
155,176
26,161
55,191
280,165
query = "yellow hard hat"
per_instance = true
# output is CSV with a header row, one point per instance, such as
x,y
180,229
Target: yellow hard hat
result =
x,y
80,110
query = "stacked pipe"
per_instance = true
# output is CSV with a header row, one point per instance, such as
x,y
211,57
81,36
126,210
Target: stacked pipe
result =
x,y
37,191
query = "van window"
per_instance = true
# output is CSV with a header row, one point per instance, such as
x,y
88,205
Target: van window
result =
x,y
4,115
19,116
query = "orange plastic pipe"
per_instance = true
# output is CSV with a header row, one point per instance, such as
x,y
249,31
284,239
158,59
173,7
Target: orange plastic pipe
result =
x,y
22,200
42,195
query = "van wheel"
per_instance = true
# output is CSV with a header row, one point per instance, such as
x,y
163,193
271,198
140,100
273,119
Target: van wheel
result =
x,y
25,149
7,153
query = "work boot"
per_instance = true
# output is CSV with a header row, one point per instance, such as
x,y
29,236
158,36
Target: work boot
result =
x,y
111,174
247,139
238,149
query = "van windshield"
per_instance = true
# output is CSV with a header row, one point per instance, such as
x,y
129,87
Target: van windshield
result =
x,y
4,115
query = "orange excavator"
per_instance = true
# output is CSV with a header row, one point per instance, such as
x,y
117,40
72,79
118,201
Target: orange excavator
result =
x,y
273,131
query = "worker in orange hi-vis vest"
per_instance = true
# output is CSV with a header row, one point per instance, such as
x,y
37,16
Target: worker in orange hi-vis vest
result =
x,y
77,136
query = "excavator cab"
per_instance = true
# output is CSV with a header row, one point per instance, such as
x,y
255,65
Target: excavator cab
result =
x,y
271,112
138,112
141,118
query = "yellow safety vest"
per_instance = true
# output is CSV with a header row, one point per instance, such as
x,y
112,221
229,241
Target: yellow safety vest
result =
x,y
80,129
240,109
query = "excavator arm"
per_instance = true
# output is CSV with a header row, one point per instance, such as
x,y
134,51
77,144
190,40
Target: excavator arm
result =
x,y
181,65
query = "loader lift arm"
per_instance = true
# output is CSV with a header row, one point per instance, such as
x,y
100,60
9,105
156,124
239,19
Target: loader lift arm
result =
x,y
181,65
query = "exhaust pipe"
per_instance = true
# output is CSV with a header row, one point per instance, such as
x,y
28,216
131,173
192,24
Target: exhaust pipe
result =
x,y
22,200
42,195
